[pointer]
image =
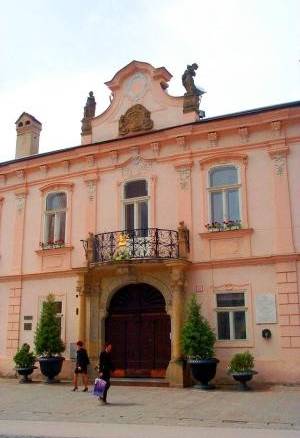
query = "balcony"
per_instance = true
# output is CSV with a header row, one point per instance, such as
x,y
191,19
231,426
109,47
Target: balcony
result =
x,y
137,244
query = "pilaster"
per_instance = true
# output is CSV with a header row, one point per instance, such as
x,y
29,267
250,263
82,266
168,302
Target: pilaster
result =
x,y
175,372
13,320
82,309
283,232
288,298
21,195
184,193
91,210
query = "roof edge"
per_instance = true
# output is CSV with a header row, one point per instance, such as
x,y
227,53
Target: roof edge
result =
x,y
250,112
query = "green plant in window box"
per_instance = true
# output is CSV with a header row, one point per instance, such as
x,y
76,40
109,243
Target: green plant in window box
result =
x,y
198,339
227,225
241,368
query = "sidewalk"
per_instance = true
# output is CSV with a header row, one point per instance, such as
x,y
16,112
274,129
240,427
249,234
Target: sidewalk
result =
x,y
268,408
96,430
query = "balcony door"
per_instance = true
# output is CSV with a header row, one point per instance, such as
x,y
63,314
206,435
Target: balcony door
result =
x,y
136,207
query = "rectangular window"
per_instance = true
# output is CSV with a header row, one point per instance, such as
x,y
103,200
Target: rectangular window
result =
x,y
224,195
233,210
217,207
129,216
50,222
143,215
231,316
61,226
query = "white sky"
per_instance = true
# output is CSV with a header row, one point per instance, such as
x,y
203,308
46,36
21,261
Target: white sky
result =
x,y
53,52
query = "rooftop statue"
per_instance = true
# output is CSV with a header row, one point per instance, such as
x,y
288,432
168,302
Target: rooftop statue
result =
x,y
89,113
188,81
193,94
90,106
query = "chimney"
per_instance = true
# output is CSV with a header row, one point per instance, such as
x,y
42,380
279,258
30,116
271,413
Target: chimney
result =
x,y
28,135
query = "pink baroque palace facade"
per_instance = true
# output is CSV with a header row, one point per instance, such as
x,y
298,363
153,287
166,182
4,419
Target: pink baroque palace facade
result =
x,y
158,202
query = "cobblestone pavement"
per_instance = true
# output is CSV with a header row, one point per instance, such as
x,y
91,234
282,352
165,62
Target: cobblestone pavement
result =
x,y
270,408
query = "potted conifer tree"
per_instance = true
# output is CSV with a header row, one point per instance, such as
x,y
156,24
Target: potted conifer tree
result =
x,y
24,360
48,343
198,341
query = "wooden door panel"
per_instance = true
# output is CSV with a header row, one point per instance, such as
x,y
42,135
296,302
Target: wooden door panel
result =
x,y
133,342
116,334
162,342
147,342
139,330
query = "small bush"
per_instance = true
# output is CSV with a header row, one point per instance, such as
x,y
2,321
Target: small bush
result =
x,y
241,362
24,358
197,337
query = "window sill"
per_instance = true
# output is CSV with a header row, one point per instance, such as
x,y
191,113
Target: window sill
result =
x,y
50,250
226,234
233,343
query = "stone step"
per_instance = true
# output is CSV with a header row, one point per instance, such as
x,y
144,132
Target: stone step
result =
x,y
138,381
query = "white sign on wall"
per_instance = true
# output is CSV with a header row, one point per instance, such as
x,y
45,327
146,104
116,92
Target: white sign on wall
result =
x,y
265,309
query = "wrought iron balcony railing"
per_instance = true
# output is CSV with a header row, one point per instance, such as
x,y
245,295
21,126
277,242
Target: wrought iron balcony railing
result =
x,y
150,243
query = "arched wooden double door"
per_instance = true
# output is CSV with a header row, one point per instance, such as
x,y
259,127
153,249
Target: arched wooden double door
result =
x,y
139,329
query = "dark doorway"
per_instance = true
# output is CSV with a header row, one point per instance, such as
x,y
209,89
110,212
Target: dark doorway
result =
x,y
139,329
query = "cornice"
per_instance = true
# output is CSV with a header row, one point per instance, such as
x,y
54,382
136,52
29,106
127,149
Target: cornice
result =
x,y
246,261
223,157
278,149
188,265
57,185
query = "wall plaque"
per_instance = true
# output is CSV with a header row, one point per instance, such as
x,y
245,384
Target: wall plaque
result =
x,y
265,309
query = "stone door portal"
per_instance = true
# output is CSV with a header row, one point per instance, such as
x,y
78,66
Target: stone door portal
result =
x,y
139,329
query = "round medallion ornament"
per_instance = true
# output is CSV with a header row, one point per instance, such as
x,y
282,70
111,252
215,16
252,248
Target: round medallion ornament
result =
x,y
136,86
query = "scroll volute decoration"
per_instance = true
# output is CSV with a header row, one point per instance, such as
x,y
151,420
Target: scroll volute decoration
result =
x,y
137,118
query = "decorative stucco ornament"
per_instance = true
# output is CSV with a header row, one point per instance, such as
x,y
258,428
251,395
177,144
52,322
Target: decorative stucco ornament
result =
x,y
137,166
137,86
184,177
137,118
279,164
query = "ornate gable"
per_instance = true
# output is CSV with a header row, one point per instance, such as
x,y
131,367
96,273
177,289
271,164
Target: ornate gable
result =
x,y
139,102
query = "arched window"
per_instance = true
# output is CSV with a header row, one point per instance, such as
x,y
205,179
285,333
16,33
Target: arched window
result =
x,y
224,188
55,219
136,205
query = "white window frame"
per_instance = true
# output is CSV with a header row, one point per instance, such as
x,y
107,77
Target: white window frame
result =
x,y
224,189
231,311
136,201
49,212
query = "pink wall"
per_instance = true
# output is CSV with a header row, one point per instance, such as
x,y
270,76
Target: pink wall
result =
x,y
260,258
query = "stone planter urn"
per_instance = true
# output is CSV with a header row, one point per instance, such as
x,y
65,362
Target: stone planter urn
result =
x,y
243,377
24,372
203,371
51,367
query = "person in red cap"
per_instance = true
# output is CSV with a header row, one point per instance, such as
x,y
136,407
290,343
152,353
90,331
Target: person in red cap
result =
x,y
82,361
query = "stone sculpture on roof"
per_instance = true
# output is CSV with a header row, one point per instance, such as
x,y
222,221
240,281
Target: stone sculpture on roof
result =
x,y
191,97
89,113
